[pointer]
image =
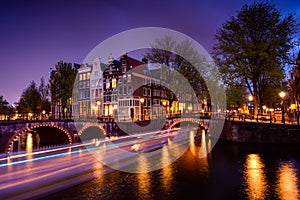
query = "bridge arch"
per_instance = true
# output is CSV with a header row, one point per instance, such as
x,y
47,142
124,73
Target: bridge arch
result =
x,y
180,120
89,129
26,130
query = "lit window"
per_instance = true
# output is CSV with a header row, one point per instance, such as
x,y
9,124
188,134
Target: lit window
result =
x,y
129,78
114,83
107,84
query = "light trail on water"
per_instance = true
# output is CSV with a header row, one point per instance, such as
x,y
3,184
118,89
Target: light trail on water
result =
x,y
36,173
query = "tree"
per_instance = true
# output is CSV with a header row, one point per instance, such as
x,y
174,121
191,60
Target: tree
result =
x,y
5,108
235,97
44,93
174,58
61,86
3,105
252,48
30,100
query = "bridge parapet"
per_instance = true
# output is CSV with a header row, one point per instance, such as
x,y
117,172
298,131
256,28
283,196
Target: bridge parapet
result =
x,y
204,123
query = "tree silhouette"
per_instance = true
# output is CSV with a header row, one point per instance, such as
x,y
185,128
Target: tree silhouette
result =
x,y
61,87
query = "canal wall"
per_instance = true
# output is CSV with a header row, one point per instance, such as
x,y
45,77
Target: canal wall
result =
x,y
254,132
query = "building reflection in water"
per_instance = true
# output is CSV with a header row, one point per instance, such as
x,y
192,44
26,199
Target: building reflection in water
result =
x,y
29,142
143,178
167,171
255,177
287,182
203,148
199,156
192,142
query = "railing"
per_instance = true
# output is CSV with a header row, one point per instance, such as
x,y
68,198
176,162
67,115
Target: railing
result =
x,y
267,118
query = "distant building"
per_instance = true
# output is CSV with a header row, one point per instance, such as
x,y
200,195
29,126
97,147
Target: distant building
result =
x,y
96,87
132,93
127,89
294,84
84,100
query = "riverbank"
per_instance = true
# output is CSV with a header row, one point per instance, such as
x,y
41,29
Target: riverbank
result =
x,y
259,132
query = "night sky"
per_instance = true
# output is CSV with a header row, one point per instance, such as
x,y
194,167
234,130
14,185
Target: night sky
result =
x,y
35,35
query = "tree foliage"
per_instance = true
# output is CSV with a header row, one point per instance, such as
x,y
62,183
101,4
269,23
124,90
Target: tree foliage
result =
x,y
4,105
235,97
61,84
174,57
252,48
30,99
35,98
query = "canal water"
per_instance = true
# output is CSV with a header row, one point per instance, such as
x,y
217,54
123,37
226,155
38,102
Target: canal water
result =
x,y
229,171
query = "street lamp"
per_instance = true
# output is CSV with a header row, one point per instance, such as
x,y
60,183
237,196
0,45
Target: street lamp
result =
x,y
264,109
44,112
164,104
250,98
98,105
142,103
282,95
30,115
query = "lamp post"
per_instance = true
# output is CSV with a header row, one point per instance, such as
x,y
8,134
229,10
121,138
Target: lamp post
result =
x,y
164,104
250,98
98,105
264,109
44,112
282,95
142,104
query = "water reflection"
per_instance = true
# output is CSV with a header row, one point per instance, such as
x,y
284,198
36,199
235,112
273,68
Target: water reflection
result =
x,y
167,171
287,182
255,177
29,142
199,156
192,142
203,149
143,178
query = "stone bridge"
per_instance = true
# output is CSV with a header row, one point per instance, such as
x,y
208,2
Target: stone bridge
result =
x,y
204,123
14,135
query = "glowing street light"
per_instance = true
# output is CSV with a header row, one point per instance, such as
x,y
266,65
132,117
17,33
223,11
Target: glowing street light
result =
x,y
250,98
43,112
30,115
142,103
264,109
98,105
282,95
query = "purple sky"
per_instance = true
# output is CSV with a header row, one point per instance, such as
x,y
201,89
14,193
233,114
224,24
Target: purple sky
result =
x,y
35,35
